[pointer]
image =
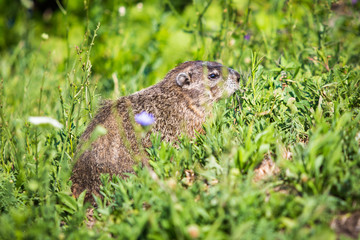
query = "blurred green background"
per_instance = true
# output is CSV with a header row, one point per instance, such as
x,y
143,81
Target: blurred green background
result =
x,y
141,41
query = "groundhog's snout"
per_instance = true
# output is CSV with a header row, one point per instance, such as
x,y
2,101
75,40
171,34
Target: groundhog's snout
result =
x,y
232,82
235,74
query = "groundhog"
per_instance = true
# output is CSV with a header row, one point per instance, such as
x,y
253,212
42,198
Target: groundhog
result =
x,y
178,104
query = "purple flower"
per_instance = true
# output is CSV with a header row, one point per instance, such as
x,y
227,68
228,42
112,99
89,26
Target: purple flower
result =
x,y
354,2
144,118
247,37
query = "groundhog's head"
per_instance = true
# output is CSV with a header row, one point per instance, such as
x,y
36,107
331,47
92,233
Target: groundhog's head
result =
x,y
206,81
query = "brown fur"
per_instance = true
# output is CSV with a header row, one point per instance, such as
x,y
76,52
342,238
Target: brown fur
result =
x,y
179,105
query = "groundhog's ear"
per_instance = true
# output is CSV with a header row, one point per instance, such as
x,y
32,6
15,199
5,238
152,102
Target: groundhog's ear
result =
x,y
182,79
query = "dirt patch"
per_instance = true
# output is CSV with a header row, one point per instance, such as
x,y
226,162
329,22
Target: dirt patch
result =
x,y
90,218
267,168
347,224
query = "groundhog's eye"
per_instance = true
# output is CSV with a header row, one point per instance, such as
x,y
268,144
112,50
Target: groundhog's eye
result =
x,y
213,75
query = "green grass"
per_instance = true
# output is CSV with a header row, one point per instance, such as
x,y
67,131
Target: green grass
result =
x,y
299,104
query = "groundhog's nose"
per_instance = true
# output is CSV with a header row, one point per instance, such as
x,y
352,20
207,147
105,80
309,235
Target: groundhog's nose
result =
x,y
237,76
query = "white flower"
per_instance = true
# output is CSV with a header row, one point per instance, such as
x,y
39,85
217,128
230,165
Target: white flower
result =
x,y
45,120
139,6
45,36
122,11
193,231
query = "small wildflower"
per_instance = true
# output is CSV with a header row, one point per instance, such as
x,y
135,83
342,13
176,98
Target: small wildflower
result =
x,y
247,37
171,183
354,2
45,36
122,11
283,75
291,100
139,6
44,121
144,118
214,181
357,137
231,42
193,231
304,177
247,60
